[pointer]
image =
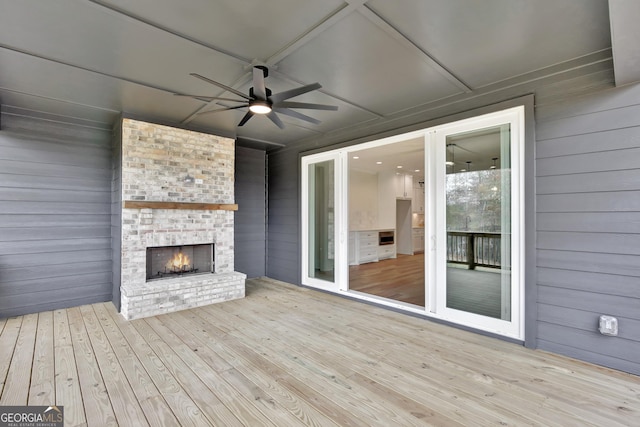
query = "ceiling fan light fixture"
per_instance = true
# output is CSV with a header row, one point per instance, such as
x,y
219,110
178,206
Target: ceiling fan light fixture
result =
x,y
260,107
260,100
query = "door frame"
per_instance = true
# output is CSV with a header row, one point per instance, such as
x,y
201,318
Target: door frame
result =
x,y
514,328
527,293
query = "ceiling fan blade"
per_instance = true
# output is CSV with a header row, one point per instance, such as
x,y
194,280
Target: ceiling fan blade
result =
x,y
294,92
259,88
246,118
297,115
275,119
220,85
209,98
305,105
220,109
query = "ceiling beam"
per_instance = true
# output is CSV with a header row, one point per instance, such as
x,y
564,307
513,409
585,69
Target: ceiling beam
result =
x,y
625,34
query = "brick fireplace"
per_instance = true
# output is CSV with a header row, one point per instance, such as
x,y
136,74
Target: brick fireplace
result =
x,y
177,190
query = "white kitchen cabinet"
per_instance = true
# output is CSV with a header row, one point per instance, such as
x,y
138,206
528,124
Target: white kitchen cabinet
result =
x,y
352,248
417,235
386,252
366,247
404,186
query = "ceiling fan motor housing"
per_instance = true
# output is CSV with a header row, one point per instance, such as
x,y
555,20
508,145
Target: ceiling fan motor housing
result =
x,y
253,96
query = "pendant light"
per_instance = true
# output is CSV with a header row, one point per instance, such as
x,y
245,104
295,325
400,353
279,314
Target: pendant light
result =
x,y
493,166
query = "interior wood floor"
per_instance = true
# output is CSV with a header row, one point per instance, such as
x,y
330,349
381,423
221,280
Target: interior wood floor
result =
x,y
400,279
289,356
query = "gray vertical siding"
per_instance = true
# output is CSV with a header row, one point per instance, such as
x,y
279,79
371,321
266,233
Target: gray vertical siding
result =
x,y
250,218
588,211
55,237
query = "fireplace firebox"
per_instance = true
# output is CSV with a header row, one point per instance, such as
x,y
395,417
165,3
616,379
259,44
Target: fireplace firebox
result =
x,y
173,261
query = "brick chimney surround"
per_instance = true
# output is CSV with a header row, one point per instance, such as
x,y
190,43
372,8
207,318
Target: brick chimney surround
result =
x,y
177,188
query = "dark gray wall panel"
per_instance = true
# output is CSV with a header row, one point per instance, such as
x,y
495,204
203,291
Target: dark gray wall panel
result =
x,y
583,320
589,162
583,281
623,351
595,222
283,235
590,356
588,204
597,121
116,212
250,218
617,139
626,265
612,201
622,243
55,196
621,180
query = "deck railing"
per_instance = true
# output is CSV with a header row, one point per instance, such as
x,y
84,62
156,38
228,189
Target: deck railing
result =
x,y
473,249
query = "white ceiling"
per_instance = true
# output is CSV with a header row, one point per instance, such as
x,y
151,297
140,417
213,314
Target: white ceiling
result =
x,y
88,61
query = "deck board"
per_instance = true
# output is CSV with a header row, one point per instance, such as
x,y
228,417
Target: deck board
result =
x,y
68,393
96,402
210,404
270,396
126,405
42,387
15,392
132,344
7,347
292,356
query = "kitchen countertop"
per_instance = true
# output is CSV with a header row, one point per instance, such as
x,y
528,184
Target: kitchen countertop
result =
x,y
375,229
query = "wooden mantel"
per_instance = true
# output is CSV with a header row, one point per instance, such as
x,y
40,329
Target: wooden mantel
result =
x,y
148,204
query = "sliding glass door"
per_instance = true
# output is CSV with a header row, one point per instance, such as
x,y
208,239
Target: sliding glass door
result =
x,y
467,209
321,243
478,261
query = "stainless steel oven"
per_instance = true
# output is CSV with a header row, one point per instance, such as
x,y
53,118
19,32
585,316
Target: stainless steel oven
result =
x,y
386,238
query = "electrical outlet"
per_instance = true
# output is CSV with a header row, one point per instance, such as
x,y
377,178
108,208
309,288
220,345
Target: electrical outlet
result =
x,y
608,325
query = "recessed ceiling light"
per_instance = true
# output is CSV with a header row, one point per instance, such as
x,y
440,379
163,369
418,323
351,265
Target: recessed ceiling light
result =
x,y
356,157
449,163
399,167
378,163
417,170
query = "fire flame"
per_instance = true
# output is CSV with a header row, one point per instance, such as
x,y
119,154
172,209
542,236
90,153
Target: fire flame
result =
x,y
179,262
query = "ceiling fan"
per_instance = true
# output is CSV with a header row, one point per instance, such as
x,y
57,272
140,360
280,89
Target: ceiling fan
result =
x,y
261,101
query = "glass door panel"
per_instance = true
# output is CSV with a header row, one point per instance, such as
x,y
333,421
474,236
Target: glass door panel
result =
x,y
478,222
321,190
478,191
321,213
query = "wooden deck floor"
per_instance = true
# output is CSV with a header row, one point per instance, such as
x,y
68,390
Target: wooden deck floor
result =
x,y
288,356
